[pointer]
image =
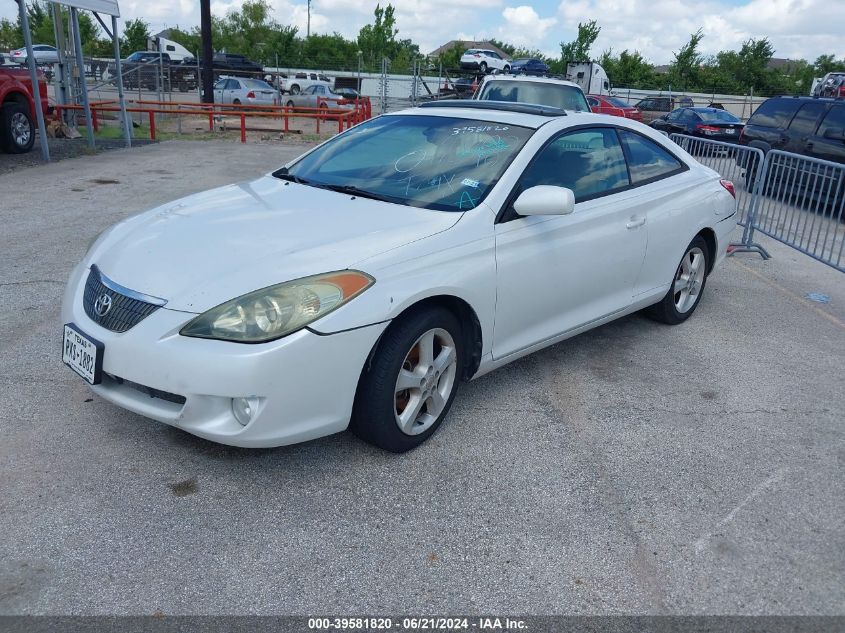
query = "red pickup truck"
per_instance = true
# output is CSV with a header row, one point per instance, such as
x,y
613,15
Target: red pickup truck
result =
x,y
17,109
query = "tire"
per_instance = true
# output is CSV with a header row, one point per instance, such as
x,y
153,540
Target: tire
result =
x,y
399,420
236,102
294,89
183,86
482,67
17,132
506,69
682,298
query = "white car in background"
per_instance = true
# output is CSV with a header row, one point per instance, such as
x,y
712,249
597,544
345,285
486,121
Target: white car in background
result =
x,y
43,53
242,90
358,285
547,91
318,96
484,61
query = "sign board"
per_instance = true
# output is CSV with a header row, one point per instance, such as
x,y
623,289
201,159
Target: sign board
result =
x,y
109,7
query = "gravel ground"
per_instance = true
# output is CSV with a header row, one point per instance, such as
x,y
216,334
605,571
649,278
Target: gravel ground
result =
x,y
636,469
60,149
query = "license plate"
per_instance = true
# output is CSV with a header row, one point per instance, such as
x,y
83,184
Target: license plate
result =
x,y
730,131
83,354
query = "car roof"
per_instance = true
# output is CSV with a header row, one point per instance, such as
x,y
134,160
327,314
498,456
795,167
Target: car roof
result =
x,y
534,121
531,78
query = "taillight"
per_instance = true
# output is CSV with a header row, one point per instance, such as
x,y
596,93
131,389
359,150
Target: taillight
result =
x,y
250,95
727,184
842,91
707,129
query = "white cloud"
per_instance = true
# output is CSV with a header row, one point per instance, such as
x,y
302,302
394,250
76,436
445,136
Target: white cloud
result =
x,y
524,27
658,28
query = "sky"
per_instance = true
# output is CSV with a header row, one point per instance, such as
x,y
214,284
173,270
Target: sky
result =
x,y
656,28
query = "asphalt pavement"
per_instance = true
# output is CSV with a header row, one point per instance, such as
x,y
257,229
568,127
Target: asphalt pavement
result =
x,y
636,469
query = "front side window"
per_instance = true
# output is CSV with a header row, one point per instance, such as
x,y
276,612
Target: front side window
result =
x,y
433,162
589,162
646,159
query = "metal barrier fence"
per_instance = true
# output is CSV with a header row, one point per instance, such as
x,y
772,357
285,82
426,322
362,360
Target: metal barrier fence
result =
x,y
795,199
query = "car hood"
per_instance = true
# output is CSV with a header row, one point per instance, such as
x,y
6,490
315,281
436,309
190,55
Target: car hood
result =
x,y
210,247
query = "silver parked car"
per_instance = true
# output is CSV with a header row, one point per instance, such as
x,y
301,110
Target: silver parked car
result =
x,y
240,90
319,96
44,54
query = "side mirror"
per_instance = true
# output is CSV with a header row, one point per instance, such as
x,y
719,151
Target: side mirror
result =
x,y
545,200
835,133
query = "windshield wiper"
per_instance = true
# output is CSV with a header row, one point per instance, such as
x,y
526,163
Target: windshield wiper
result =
x,y
352,190
282,174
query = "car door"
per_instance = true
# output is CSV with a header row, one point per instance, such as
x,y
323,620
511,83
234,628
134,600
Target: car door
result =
x,y
802,127
662,196
829,141
219,90
557,273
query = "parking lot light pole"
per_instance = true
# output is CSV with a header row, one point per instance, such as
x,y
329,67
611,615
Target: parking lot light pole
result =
x,y
33,77
207,52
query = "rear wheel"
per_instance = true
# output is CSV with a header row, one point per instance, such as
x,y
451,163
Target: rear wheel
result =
x,y
294,89
687,286
407,389
17,133
483,67
506,69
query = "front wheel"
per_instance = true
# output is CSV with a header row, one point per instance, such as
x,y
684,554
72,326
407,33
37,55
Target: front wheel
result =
x,y
17,133
506,69
687,286
407,389
483,67
294,89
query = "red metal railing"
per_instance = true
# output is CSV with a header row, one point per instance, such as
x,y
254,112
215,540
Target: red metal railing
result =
x,y
361,111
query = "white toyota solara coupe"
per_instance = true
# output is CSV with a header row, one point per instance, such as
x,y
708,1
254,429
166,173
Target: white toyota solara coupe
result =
x,y
358,285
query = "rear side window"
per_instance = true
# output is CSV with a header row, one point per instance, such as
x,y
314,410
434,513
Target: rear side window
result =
x,y
807,117
646,159
834,118
775,113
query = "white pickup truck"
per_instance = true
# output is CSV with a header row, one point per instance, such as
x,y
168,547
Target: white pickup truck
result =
x,y
295,83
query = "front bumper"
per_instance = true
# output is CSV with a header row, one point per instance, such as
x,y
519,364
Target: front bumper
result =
x,y
304,383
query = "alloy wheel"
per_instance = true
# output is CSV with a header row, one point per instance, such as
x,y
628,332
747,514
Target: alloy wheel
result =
x,y
689,280
21,129
425,381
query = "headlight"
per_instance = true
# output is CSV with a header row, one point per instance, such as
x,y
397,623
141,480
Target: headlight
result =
x,y
276,311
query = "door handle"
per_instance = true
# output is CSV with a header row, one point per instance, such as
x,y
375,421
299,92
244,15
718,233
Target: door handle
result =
x,y
635,222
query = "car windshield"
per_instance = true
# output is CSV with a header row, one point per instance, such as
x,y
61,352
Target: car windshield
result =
x,y
617,102
432,162
257,83
717,116
540,93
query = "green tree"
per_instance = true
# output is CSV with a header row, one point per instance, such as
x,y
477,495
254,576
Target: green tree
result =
x,y
378,40
135,35
10,35
628,69
684,69
579,49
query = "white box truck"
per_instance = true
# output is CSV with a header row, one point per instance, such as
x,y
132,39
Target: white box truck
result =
x,y
590,76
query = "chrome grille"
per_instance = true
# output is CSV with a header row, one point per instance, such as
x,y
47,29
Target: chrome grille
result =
x,y
125,312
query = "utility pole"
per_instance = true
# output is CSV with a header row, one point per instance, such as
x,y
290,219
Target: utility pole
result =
x,y
308,27
207,52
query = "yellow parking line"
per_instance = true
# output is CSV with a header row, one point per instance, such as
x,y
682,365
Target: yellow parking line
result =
x,y
790,294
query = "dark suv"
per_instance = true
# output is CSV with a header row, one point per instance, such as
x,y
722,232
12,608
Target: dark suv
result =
x,y
236,65
811,126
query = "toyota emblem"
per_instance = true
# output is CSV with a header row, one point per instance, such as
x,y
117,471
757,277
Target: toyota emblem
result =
x,y
102,305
